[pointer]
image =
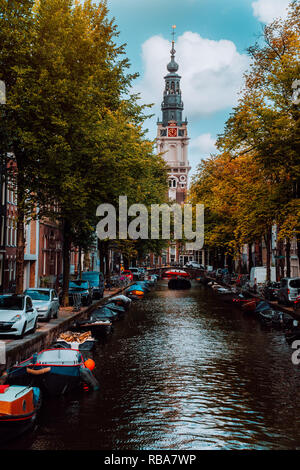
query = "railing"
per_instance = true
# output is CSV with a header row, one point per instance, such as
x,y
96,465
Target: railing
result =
x,y
77,303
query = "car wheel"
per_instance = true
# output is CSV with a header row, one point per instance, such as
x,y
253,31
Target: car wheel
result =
x,y
23,331
48,318
55,314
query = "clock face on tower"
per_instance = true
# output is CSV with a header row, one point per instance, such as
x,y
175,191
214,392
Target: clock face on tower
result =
x,y
172,132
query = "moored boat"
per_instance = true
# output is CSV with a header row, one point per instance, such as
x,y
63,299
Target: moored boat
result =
x,y
18,409
122,300
173,273
136,291
80,341
249,306
54,371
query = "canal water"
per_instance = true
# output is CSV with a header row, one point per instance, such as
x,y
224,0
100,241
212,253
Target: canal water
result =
x,y
183,370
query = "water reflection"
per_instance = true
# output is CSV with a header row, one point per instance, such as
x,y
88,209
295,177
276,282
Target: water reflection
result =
x,y
183,370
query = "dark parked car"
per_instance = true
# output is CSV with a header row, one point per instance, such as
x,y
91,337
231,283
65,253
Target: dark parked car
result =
x,y
79,287
271,290
96,280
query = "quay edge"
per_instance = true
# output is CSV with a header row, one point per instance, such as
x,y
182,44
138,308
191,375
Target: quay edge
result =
x,y
18,351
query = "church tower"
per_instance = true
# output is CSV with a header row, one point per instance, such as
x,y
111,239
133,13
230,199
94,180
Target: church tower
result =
x,y
172,133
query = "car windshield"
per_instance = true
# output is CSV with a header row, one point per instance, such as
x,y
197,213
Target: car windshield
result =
x,y
77,284
91,276
11,302
38,294
295,283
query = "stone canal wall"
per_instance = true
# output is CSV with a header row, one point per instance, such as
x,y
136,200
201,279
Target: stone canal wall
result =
x,y
19,350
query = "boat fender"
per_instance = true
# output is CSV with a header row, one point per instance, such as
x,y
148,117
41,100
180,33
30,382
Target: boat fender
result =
x,y
38,371
89,378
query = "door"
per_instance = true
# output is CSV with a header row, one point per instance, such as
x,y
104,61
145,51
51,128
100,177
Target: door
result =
x,y
29,313
54,303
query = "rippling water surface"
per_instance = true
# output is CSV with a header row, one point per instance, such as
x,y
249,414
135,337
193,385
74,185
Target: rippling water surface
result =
x,y
183,370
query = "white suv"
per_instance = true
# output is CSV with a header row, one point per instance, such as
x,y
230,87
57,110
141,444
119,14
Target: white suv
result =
x,y
289,289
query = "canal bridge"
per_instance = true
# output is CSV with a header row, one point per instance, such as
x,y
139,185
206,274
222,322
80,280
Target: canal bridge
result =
x,y
160,270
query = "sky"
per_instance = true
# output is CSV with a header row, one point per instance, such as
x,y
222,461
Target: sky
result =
x,y
212,37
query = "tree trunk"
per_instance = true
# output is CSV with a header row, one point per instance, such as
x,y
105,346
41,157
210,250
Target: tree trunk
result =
x,y
250,260
267,238
101,255
107,263
239,268
288,257
79,264
20,235
66,261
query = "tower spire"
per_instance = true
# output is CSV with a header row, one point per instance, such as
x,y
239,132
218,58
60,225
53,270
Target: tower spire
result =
x,y
173,40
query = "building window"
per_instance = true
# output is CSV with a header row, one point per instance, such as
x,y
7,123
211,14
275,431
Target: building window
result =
x,y
172,183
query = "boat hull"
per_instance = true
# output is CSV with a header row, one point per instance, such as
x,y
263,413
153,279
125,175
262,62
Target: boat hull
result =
x,y
179,284
14,426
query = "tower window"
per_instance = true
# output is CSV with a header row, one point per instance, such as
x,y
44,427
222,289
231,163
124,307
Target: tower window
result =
x,y
172,183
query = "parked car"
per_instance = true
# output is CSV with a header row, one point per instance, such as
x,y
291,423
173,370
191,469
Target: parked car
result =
x,y
45,301
136,273
271,291
128,274
96,280
194,265
80,287
142,272
289,290
17,315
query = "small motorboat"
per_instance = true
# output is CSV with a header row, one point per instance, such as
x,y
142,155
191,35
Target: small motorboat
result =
x,y
80,341
173,273
122,300
119,309
54,371
249,306
224,290
99,322
18,409
243,297
266,317
145,285
179,283
136,291
262,306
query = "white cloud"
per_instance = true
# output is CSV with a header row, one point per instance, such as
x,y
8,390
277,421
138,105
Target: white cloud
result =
x,y
200,148
204,145
212,73
268,10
